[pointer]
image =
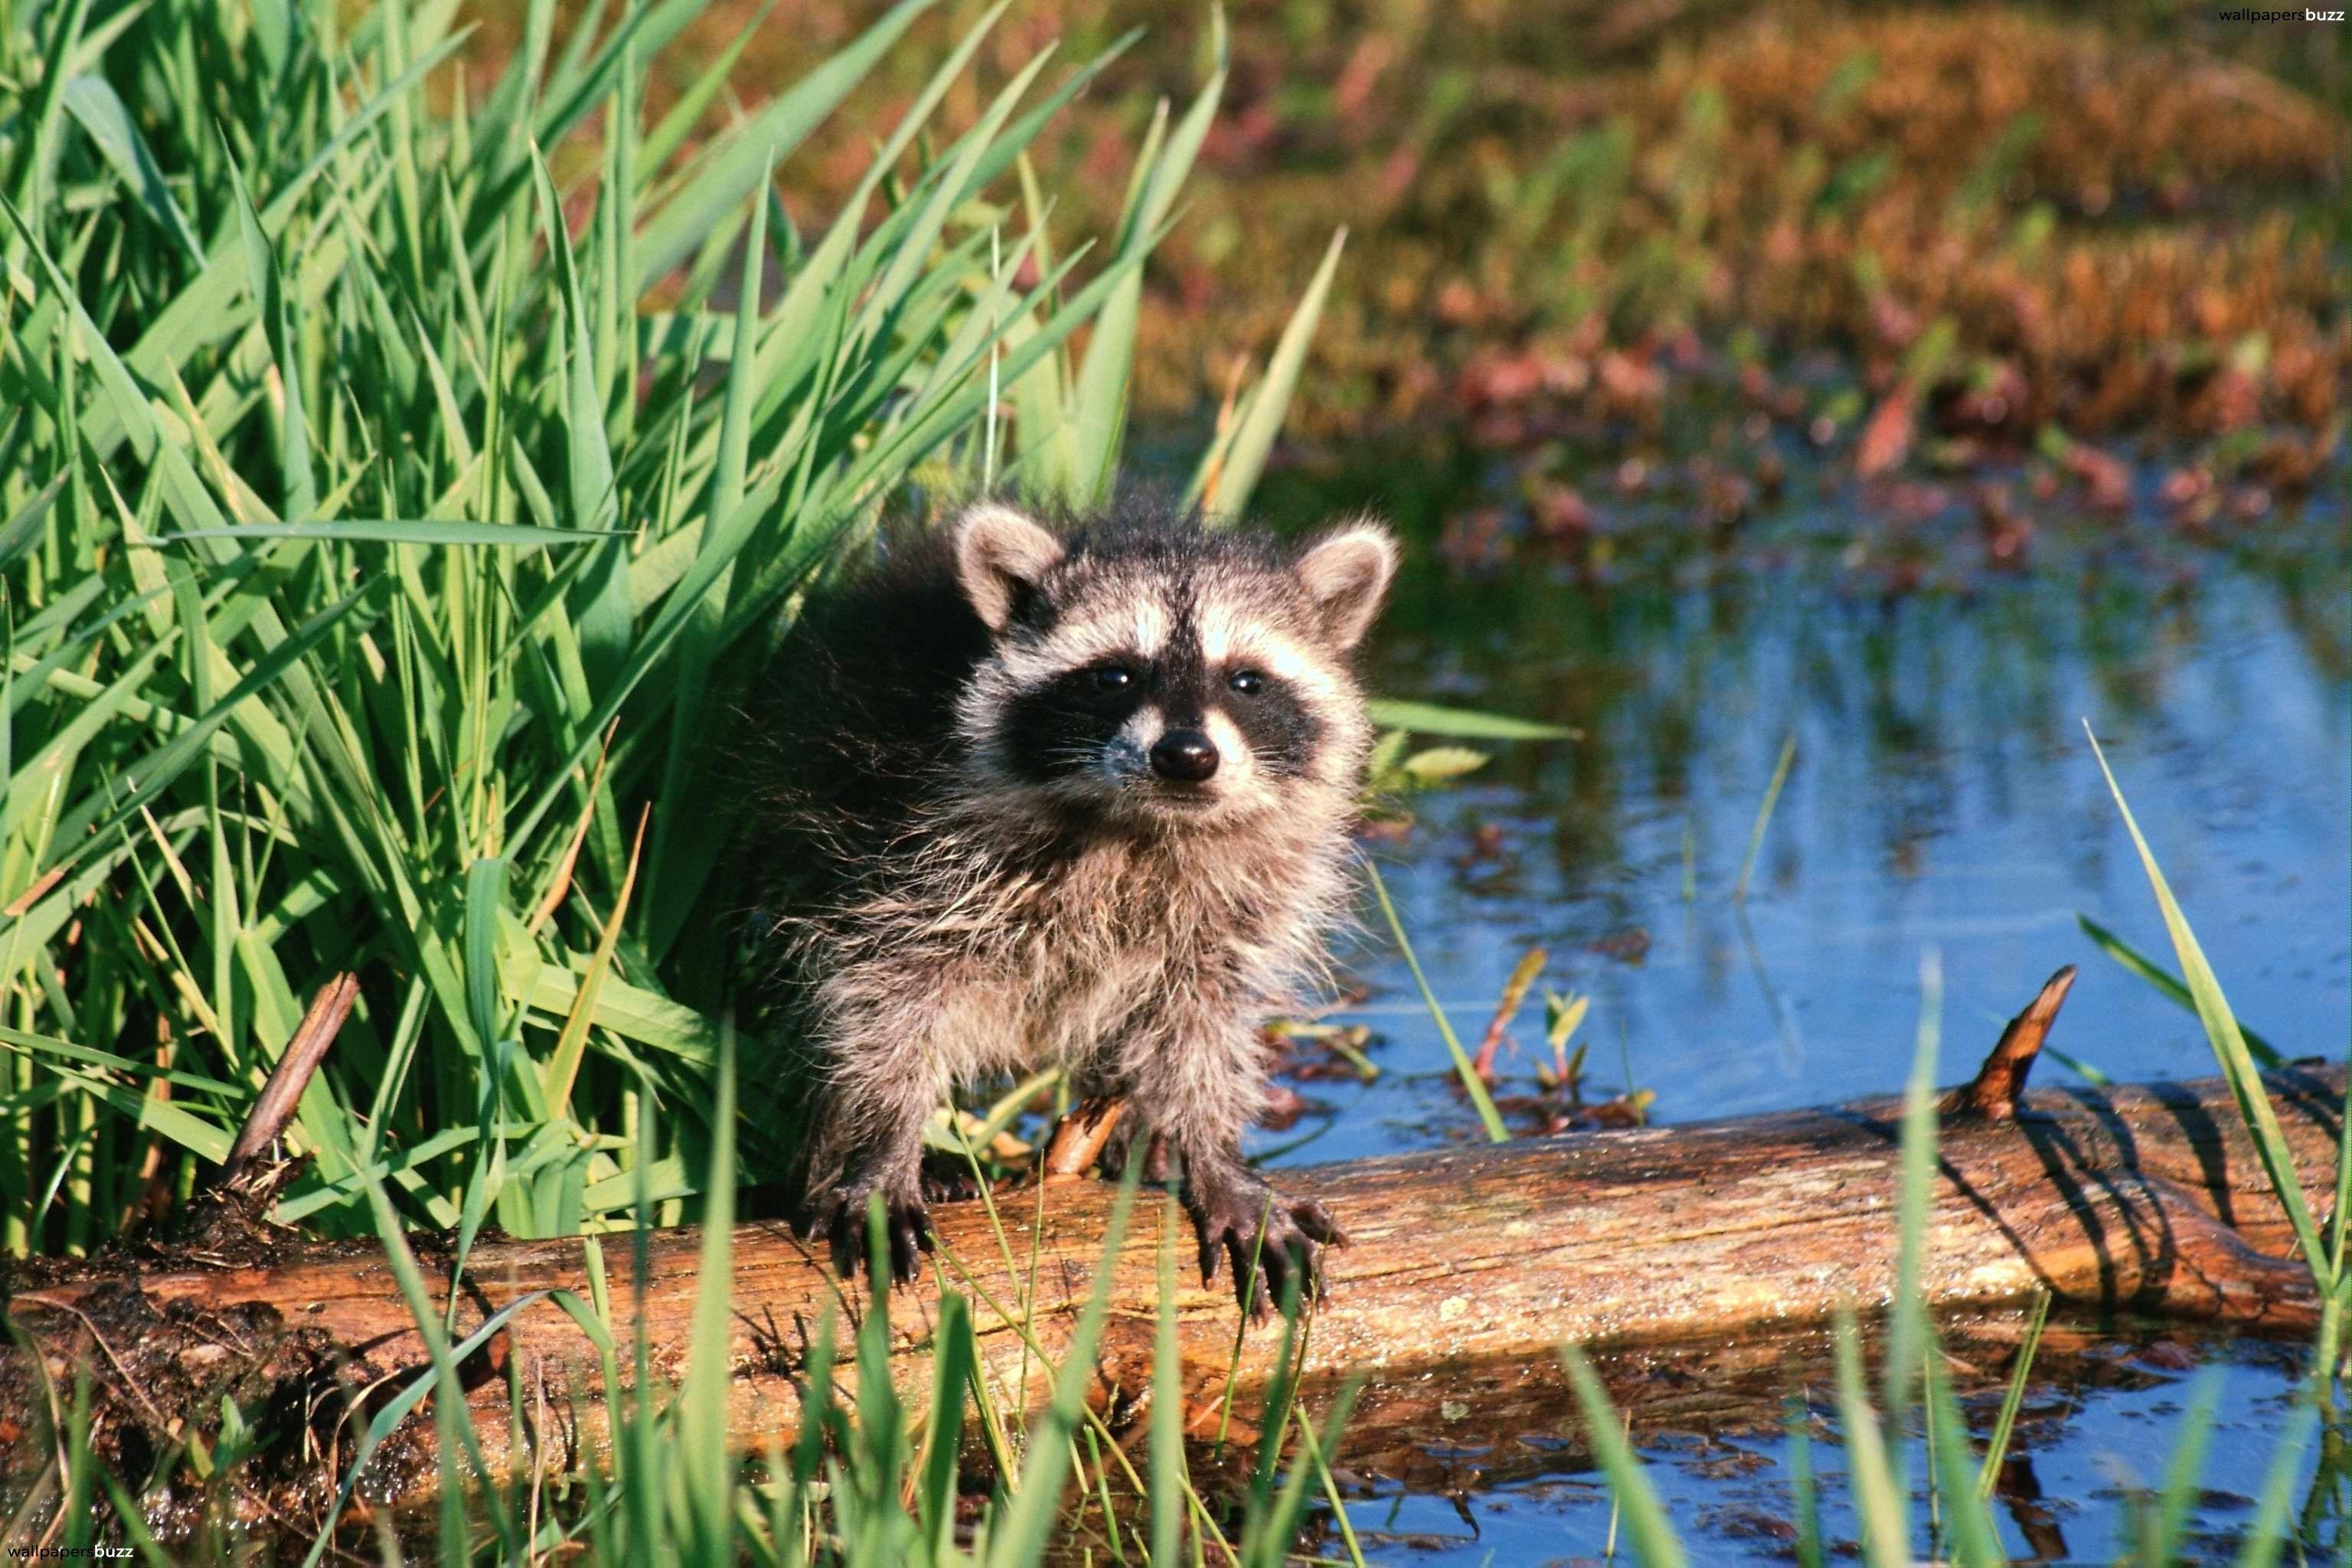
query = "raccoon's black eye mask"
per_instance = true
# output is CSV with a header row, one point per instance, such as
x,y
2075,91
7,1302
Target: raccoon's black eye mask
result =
x,y
1121,685
1062,726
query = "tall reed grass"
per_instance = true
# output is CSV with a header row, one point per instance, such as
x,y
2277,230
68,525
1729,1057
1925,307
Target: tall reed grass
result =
x,y
401,473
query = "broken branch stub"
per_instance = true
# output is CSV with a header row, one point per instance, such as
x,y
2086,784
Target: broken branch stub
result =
x,y
1993,1094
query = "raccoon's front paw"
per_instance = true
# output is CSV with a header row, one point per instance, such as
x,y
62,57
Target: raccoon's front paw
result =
x,y
1228,1218
946,1179
1121,1147
838,1215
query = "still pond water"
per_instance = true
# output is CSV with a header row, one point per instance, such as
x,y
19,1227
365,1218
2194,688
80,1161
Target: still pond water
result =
x,y
1943,798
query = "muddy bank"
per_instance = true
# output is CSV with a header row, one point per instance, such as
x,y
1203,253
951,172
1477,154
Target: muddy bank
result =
x,y
2109,226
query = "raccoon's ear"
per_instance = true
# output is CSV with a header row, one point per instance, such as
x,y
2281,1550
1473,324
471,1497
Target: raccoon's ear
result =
x,y
1346,573
1000,556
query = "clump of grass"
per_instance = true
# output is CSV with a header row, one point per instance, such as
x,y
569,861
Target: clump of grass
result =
x,y
404,472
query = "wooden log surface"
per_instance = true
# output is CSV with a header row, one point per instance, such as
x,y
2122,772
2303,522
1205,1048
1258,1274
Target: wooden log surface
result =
x,y
1474,1262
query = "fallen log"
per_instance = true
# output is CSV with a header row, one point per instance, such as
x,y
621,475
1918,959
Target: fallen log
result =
x,y
1479,1259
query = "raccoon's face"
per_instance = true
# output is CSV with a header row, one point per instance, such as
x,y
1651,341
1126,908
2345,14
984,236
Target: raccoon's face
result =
x,y
1174,680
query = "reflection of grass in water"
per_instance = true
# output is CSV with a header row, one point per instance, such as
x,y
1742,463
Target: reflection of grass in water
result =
x,y
1792,1044
1667,670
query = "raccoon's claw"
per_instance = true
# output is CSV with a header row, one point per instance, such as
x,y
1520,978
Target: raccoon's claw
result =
x,y
840,1217
1228,1222
944,1183
1120,1147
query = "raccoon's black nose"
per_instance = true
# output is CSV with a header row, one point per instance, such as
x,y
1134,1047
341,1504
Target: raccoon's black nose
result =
x,y
1186,755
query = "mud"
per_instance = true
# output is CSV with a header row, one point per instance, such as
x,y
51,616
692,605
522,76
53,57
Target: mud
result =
x,y
232,1415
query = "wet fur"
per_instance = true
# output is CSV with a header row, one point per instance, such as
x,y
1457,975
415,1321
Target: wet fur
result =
x,y
940,910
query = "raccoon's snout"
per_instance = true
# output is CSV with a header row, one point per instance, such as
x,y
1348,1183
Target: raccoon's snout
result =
x,y
1186,756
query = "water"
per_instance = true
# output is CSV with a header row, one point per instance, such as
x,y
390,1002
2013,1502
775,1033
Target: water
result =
x,y
1944,798
2094,1442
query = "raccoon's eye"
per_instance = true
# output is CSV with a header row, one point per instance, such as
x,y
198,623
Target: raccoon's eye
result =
x,y
1113,676
1248,682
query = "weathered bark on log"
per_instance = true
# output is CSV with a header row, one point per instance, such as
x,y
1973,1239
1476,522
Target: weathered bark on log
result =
x,y
2147,1199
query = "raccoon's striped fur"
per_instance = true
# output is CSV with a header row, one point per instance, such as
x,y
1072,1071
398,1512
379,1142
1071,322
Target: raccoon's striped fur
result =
x,y
1079,796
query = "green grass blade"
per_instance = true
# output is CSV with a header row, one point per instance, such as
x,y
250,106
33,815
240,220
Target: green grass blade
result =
x,y
486,895
164,765
687,844
663,141
601,604
1881,1501
419,530
1229,477
2228,1045
1166,1437
1460,723
2273,1524
2148,969
1655,1544
954,1366
1908,1337
93,101
1805,1490
214,305
1029,1518
1764,818
1268,1548
1974,1540
1467,1070
2163,1526
680,224
398,1408
711,1367
1101,398
2013,1399
267,290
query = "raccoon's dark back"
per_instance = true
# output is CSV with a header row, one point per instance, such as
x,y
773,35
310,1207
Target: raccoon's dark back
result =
x,y
855,719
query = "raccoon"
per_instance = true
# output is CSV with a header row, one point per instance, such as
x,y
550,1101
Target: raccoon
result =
x,y
1077,794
